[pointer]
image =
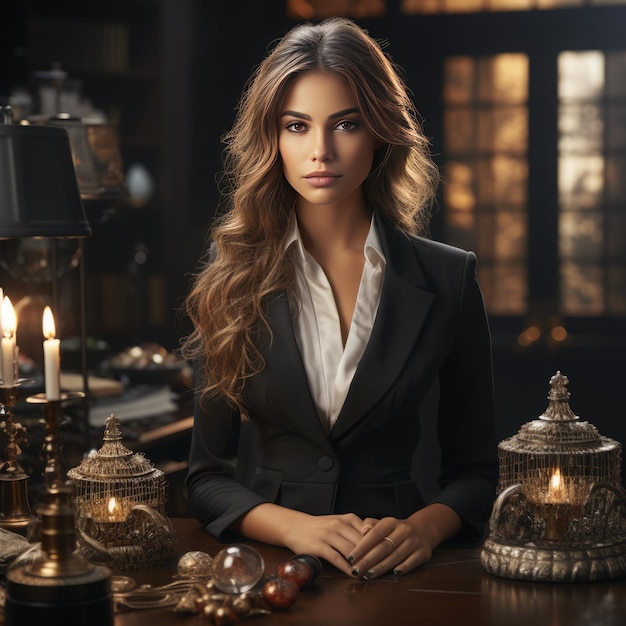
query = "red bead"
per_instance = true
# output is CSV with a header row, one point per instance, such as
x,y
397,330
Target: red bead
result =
x,y
280,593
297,572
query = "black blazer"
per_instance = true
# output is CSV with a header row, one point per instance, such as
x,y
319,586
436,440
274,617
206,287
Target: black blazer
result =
x,y
431,328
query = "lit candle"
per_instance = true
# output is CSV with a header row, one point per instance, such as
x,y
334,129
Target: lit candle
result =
x,y
51,357
557,494
114,510
1,300
8,348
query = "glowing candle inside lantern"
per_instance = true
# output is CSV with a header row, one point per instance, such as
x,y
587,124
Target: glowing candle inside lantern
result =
x,y
8,348
112,507
557,494
51,357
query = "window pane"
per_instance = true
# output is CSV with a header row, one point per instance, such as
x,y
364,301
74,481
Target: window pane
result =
x,y
581,128
502,181
504,288
503,130
580,235
460,135
581,181
582,291
581,75
503,78
458,190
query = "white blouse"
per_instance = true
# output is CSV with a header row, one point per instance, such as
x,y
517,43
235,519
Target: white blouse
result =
x,y
329,366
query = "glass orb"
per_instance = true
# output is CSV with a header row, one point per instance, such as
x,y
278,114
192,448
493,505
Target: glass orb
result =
x,y
237,568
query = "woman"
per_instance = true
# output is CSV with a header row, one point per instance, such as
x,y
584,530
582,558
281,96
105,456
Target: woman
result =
x,y
322,320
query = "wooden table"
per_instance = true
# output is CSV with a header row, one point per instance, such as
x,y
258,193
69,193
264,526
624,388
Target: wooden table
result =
x,y
452,589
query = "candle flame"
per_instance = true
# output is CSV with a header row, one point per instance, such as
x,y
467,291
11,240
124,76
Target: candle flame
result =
x,y
49,327
556,482
558,492
9,320
112,506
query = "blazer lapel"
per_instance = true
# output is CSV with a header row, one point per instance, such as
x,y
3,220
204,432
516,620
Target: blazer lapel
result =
x,y
404,305
283,362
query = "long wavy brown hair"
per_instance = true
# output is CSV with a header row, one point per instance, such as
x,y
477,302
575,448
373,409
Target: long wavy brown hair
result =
x,y
247,263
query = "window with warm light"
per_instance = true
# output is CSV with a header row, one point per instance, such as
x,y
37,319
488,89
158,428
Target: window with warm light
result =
x,y
591,188
320,9
486,171
476,6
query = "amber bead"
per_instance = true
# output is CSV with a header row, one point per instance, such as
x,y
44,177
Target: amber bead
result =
x,y
280,593
296,571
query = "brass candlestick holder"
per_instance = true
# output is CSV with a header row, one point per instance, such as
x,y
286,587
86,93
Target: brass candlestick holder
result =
x,y
60,586
561,512
15,514
51,452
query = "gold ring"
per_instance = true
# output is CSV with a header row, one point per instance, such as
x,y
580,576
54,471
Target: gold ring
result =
x,y
391,541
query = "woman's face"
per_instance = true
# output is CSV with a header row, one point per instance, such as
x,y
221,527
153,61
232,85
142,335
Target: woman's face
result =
x,y
326,150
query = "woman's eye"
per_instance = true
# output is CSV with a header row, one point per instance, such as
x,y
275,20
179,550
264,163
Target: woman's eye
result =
x,y
296,127
347,125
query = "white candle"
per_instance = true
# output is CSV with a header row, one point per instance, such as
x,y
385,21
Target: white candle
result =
x,y
51,357
7,348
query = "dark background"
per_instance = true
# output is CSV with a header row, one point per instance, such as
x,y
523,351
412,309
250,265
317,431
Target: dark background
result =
x,y
188,62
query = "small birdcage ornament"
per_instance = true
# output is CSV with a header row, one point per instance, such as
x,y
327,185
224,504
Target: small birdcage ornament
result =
x,y
560,515
120,499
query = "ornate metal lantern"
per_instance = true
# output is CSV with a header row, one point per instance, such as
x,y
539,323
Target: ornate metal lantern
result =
x,y
120,498
561,512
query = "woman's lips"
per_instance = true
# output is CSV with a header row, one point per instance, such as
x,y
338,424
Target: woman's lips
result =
x,y
320,180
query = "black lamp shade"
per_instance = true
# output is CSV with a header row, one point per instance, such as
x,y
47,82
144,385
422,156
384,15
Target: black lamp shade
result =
x,y
39,195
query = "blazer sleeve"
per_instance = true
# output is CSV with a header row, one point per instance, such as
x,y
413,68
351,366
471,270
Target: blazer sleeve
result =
x,y
466,418
215,494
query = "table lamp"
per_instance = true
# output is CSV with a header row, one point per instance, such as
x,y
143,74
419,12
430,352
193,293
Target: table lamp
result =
x,y
39,194
560,515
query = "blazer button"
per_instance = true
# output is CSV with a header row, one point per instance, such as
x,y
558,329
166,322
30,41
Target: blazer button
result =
x,y
325,463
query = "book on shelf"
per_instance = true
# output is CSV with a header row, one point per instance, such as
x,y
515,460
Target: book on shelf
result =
x,y
137,402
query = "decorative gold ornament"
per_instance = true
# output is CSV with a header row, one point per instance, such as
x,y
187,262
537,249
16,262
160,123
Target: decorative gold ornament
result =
x,y
120,498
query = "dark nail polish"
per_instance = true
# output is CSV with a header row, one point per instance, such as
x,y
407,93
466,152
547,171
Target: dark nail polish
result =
x,y
370,574
355,571
350,559
397,572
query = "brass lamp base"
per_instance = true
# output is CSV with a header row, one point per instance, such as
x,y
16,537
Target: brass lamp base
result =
x,y
587,547
60,587
59,601
556,565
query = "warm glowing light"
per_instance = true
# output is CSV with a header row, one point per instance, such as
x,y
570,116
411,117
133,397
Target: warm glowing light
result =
x,y
49,328
557,491
529,336
559,333
9,319
113,506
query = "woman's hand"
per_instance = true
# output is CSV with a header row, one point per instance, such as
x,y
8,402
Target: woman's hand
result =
x,y
329,537
396,545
